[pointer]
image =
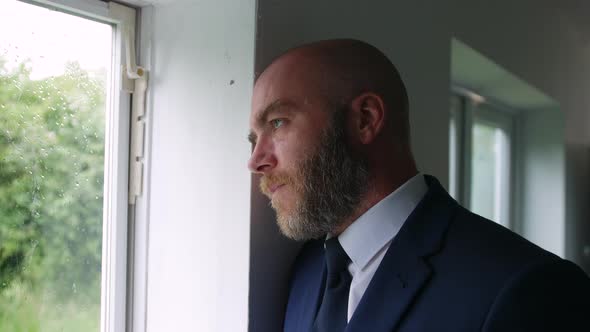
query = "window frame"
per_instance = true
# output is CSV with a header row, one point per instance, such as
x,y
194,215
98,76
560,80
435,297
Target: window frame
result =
x,y
476,108
115,237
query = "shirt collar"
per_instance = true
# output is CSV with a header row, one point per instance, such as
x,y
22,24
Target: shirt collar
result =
x,y
381,223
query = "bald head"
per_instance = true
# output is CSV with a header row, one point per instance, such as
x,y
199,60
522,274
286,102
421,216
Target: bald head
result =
x,y
342,69
329,128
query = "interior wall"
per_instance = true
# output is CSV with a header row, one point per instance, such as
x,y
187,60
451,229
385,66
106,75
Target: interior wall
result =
x,y
544,43
542,177
202,56
577,207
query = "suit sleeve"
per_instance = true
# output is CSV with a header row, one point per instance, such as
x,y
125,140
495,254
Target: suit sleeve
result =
x,y
548,296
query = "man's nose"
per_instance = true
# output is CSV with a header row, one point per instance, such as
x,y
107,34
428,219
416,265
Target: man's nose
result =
x,y
262,159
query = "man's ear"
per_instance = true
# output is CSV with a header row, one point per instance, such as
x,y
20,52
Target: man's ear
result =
x,y
368,117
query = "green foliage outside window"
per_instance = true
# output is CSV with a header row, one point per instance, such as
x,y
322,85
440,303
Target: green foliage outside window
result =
x,y
51,184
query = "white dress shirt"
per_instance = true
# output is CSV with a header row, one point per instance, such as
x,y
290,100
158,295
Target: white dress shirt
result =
x,y
367,239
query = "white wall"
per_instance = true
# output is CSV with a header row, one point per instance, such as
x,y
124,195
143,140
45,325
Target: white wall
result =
x,y
199,186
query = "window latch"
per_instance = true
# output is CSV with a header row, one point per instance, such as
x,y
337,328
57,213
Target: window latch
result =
x,y
135,82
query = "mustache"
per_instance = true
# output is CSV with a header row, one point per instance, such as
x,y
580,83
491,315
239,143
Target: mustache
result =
x,y
268,181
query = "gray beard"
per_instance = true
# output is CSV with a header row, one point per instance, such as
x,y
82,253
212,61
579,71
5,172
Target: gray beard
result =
x,y
333,183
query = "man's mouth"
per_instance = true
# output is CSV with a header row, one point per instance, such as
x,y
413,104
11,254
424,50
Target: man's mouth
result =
x,y
269,184
274,187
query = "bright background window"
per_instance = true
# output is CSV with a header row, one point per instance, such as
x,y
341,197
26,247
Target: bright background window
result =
x,y
492,162
480,154
54,78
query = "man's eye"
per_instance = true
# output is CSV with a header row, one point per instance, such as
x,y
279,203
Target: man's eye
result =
x,y
276,123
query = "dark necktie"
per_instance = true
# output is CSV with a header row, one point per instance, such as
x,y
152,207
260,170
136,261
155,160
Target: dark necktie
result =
x,y
332,315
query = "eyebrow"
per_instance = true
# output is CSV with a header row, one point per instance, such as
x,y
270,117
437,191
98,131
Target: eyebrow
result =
x,y
252,138
266,112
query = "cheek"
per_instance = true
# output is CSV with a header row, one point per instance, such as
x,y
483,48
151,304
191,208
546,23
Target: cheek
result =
x,y
297,141
289,152
298,145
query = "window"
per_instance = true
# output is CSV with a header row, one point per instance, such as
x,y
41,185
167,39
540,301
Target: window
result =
x,y
64,163
481,145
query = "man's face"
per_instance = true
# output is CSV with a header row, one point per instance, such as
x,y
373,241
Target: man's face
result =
x,y
301,151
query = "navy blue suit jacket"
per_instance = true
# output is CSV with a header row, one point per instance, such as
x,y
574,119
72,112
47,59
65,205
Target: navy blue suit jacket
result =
x,y
451,270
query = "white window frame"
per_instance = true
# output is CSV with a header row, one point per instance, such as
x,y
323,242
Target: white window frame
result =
x,y
114,285
475,108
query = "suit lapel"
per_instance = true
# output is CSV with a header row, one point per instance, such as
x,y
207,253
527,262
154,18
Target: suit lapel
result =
x,y
307,289
315,292
404,270
394,286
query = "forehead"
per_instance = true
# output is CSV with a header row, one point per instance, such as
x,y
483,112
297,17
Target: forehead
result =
x,y
287,82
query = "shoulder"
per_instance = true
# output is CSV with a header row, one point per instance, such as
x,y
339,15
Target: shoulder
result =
x,y
473,237
507,282
484,257
548,295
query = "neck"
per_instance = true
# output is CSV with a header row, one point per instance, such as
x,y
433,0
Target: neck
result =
x,y
380,187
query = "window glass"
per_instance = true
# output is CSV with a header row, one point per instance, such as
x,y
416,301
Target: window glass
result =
x,y
54,69
480,138
487,170
483,166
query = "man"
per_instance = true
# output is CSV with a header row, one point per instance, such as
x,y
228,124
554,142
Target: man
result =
x,y
388,249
